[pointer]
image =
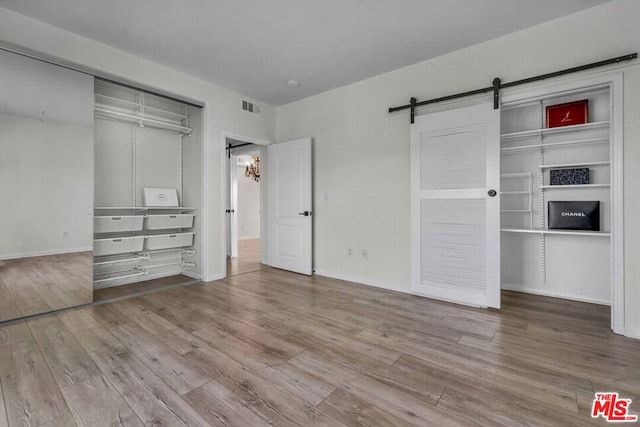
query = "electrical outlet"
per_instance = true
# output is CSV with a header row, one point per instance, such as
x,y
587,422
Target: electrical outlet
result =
x,y
349,252
365,253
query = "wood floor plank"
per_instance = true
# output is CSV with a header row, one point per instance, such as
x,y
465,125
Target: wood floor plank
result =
x,y
183,313
153,401
174,337
66,358
8,307
44,283
491,413
95,402
321,345
17,276
542,366
268,363
165,362
347,340
107,316
468,363
496,396
220,406
64,421
117,292
621,366
30,393
149,320
3,411
249,330
269,401
87,331
385,397
353,411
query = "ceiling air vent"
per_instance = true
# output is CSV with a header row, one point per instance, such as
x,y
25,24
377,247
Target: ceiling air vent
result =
x,y
250,107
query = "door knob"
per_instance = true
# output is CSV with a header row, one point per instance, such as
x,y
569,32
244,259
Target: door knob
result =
x,y
492,193
305,213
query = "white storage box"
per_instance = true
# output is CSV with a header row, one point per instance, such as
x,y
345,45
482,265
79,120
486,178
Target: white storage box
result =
x,y
117,245
112,224
160,222
160,196
166,241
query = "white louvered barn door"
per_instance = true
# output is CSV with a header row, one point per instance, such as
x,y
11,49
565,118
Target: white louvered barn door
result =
x,y
455,205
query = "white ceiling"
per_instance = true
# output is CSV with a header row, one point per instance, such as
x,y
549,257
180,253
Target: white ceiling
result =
x,y
255,46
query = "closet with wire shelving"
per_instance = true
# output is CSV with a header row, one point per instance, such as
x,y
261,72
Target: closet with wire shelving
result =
x,y
145,141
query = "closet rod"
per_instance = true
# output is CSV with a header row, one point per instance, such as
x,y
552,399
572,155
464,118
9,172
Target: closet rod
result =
x,y
138,120
497,85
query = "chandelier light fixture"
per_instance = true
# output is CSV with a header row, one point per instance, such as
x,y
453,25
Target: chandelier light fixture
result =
x,y
253,169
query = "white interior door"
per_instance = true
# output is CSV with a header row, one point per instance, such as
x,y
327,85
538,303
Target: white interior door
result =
x,y
290,206
455,206
232,215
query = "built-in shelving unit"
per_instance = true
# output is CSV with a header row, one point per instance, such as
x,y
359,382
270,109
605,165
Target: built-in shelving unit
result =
x,y
569,263
126,246
145,141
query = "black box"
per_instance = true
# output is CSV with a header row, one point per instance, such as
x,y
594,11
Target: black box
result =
x,y
574,215
573,176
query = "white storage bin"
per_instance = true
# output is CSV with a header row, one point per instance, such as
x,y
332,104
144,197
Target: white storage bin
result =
x,y
166,241
160,222
117,245
113,224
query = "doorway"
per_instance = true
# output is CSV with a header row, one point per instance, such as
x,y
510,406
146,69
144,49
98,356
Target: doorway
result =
x,y
246,232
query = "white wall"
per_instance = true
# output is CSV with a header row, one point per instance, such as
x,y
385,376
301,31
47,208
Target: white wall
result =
x,y
361,164
46,159
248,208
223,107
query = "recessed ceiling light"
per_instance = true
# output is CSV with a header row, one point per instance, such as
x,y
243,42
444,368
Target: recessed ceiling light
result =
x,y
293,83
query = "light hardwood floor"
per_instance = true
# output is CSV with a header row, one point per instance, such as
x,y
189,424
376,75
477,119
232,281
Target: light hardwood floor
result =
x,y
276,348
41,284
248,258
117,292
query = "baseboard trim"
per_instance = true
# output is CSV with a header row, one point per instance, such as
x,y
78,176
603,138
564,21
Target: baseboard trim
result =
x,y
362,281
632,333
213,277
541,292
45,253
192,275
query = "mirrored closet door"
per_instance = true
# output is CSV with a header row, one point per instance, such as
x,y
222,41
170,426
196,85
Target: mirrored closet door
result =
x,y
46,187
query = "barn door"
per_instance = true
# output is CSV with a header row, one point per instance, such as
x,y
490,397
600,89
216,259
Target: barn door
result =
x,y
455,206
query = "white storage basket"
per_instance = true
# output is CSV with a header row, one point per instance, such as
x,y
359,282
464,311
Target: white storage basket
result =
x,y
160,222
113,224
118,245
166,241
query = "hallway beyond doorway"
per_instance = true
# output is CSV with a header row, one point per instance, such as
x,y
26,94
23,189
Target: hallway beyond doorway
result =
x,y
248,259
